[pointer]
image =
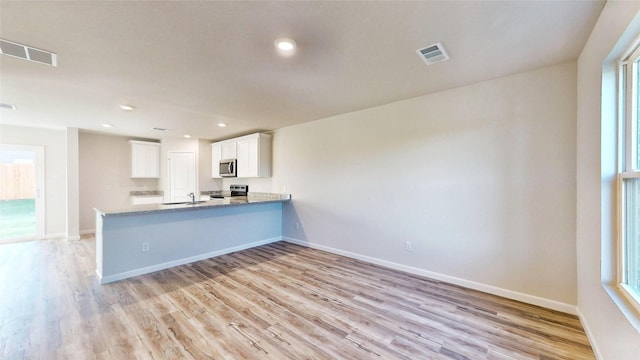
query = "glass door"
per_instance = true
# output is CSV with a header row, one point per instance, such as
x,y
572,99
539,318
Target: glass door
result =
x,y
21,192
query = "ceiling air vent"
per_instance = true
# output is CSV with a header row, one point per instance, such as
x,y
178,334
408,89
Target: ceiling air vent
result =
x,y
27,53
433,54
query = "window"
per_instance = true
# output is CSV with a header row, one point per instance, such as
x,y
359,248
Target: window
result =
x,y
629,184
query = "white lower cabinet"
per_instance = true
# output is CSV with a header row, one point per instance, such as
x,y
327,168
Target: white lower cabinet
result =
x,y
145,159
253,154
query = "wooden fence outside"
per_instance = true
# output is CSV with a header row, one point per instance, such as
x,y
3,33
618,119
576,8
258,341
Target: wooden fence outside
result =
x,y
17,181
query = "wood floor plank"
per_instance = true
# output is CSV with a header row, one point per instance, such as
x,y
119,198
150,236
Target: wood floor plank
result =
x,y
278,301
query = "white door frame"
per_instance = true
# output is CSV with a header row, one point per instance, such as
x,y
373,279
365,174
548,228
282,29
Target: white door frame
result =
x,y
40,188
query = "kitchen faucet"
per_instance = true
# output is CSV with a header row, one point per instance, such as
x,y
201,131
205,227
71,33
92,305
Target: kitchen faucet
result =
x,y
192,196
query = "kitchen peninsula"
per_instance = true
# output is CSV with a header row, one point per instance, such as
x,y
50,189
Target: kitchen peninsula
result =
x,y
146,238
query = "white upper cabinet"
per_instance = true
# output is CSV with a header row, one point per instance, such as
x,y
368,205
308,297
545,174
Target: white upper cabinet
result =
x,y
253,153
145,159
216,156
254,156
228,150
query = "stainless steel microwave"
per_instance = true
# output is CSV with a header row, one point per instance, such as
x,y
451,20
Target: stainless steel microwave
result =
x,y
227,168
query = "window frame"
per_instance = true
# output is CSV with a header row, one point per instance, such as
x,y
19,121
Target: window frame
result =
x,y
629,160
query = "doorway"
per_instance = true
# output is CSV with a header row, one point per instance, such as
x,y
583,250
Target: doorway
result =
x,y
21,192
182,175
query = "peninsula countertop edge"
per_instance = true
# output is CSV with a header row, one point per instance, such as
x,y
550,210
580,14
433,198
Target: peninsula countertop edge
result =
x,y
209,204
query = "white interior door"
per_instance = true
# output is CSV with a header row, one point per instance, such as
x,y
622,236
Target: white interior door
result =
x,y
182,175
21,192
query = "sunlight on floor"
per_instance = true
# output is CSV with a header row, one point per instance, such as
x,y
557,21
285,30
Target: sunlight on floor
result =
x,y
17,218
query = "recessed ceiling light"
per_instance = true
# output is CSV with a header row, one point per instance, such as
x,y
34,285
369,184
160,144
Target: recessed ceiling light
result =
x,y
107,125
126,107
285,44
222,124
285,47
187,136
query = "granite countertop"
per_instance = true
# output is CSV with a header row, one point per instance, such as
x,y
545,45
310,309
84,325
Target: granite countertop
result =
x,y
253,198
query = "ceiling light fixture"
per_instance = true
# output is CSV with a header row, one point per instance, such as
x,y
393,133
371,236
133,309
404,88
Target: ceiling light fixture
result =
x,y
105,125
187,136
126,107
285,46
222,124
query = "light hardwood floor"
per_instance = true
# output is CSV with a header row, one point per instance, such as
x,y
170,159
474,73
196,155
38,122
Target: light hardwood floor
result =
x,y
279,301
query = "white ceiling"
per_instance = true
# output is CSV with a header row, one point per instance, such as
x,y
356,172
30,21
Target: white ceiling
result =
x,y
188,65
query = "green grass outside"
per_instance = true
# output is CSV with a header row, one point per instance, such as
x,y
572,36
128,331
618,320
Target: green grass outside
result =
x,y
17,218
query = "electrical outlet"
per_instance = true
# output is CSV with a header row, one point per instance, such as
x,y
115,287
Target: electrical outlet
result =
x,y
145,247
408,246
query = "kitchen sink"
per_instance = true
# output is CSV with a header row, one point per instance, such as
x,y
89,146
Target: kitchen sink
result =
x,y
184,202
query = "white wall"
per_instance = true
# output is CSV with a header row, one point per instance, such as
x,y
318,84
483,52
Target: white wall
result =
x,y
105,176
55,157
73,178
481,179
611,334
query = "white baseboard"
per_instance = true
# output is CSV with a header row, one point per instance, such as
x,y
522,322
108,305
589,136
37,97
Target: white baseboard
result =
x,y
587,330
55,236
509,294
173,263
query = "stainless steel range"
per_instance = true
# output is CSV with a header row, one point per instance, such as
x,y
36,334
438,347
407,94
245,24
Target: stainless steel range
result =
x,y
239,190
235,191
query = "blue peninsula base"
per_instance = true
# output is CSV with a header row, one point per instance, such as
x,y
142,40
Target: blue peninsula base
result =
x,y
135,243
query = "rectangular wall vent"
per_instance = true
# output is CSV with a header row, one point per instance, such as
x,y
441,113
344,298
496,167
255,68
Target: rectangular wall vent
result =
x,y
28,53
433,54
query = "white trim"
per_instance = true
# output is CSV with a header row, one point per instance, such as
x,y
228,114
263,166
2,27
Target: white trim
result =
x,y
74,237
623,296
514,295
170,264
590,336
630,136
617,294
54,236
635,47
630,175
620,228
629,294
